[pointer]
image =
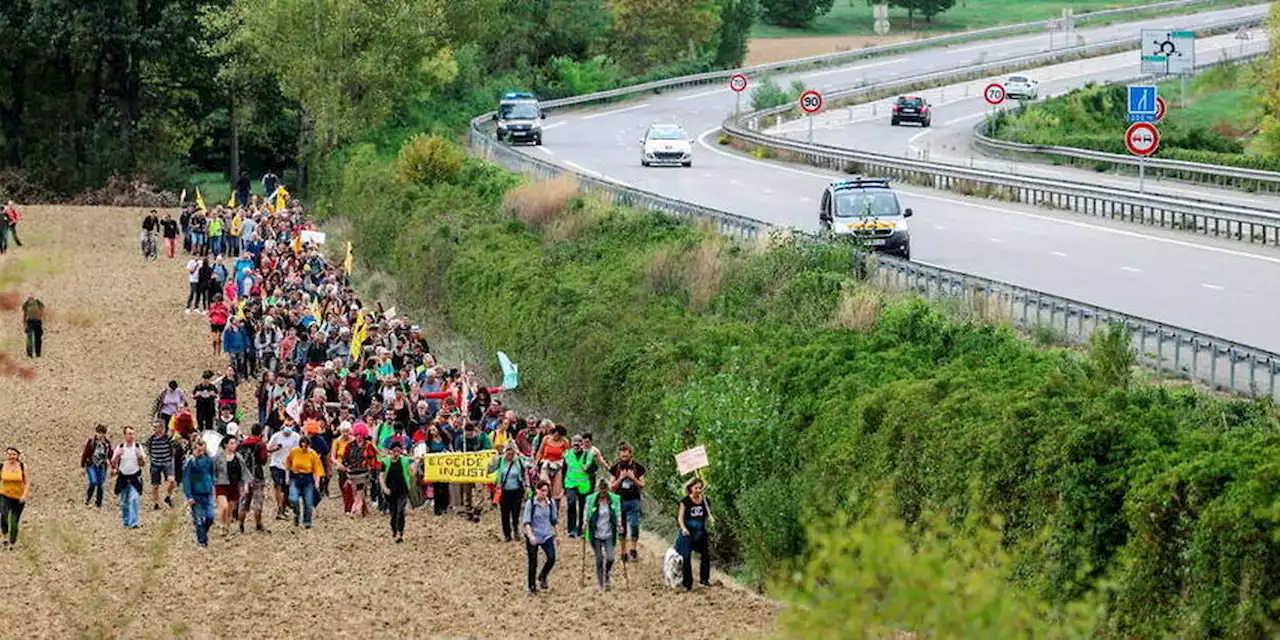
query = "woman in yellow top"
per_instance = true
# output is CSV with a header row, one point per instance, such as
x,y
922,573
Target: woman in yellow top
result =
x,y
305,470
14,489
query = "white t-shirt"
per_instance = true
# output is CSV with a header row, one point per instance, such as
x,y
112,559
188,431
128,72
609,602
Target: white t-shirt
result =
x,y
193,270
129,459
287,441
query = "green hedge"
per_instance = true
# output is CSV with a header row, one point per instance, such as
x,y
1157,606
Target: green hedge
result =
x,y
1162,500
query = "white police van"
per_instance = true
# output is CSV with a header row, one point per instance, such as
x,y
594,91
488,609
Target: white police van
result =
x,y
867,209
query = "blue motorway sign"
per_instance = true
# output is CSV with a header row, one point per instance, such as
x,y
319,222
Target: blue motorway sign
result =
x,y
1142,103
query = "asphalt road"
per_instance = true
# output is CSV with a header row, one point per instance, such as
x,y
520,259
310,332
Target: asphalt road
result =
x,y
1218,288
957,108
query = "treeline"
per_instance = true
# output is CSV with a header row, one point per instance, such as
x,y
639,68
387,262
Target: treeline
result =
x,y
162,88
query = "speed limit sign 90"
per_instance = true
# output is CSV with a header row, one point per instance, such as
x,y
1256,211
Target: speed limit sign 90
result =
x,y
738,83
811,101
994,93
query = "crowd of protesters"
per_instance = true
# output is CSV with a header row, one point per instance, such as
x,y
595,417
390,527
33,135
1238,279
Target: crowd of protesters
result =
x,y
347,399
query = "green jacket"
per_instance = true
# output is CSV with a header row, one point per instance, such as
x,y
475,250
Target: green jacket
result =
x,y
576,465
615,514
406,464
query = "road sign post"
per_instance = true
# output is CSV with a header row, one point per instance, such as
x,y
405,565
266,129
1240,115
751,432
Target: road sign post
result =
x,y
1142,139
810,103
994,94
738,84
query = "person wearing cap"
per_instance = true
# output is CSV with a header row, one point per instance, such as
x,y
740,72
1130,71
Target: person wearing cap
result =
x,y
513,470
279,446
305,470
395,478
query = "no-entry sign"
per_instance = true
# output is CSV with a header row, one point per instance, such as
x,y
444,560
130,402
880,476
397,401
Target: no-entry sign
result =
x,y
994,93
811,101
738,82
1142,138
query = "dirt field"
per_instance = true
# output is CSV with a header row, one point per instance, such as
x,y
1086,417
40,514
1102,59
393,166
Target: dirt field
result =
x,y
762,50
117,335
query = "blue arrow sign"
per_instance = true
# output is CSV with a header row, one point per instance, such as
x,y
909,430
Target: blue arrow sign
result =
x,y
1142,101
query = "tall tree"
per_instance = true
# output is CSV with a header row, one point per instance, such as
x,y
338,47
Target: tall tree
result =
x,y
794,14
926,8
736,18
348,63
652,33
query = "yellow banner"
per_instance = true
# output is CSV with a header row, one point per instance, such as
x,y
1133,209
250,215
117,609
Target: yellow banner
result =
x,y
459,467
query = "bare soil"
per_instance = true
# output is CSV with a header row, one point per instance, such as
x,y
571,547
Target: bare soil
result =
x,y
764,50
116,335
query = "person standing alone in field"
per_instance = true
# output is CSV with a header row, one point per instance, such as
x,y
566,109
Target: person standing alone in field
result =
x,y
15,488
13,217
33,318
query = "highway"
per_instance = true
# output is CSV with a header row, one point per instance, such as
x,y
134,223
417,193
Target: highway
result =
x,y
1218,288
957,108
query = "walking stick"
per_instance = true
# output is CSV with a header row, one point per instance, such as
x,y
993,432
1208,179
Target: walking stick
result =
x,y
626,582
582,572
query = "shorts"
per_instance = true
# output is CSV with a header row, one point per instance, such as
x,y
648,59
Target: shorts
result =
x,y
161,473
252,499
216,328
631,512
279,478
229,491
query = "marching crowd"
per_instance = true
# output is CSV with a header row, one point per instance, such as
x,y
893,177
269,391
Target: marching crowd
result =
x,y
347,399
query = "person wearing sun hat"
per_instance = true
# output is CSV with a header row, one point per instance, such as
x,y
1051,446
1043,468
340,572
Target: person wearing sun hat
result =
x,y
359,460
396,478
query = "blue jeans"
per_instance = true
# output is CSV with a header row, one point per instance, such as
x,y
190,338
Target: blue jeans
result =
x,y
215,244
302,492
130,501
202,516
631,512
97,477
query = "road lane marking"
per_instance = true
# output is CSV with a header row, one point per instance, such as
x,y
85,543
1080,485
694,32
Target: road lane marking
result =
x,y
1058,254
1131,269
615,111
702,140
546,151
882,63
590,172
701,95
554,125
1213,286
996,240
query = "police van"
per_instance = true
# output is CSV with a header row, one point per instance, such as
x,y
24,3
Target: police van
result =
x,y
519,118
868,210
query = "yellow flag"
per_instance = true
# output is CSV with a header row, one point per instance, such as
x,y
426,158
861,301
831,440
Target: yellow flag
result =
x,y
315,312
358,336
231,202
240,309
199,201
297,243
349,263
281,196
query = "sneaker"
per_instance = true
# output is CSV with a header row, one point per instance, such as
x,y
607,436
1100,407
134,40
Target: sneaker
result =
x,y
186,312
635,557
533,591
168,501
156,507
399,540
543,585
307,526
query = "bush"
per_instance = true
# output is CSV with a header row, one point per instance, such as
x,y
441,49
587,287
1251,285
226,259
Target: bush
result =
x,y
768,94
427,160
538,203
564,76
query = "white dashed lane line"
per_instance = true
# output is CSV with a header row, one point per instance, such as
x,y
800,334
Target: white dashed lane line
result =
x,y
546,151
1058,254
1131,269
615,111
1213,286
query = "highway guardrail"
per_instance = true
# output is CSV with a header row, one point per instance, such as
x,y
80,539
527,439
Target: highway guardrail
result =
x,y
1216,174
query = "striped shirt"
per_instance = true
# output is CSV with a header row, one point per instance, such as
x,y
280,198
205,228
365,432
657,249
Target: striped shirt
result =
x,y
161,450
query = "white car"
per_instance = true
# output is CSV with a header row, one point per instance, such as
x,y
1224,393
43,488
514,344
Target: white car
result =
x,y
666,144
1021,87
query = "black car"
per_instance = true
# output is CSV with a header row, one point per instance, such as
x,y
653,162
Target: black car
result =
x,y
911,109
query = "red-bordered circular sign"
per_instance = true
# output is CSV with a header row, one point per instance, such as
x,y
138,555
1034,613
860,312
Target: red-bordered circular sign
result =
x,y
1142,138
738,83
1161,108
994,93
811,101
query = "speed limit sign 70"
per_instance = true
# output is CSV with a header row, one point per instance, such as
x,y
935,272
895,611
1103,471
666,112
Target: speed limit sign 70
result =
x,y
811,101
738,83
994,93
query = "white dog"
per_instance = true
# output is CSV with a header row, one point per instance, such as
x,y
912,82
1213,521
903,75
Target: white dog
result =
x,y
672,566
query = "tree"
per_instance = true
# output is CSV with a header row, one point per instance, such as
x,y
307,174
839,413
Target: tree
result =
x,y
927,8
736,18
651,33
348,63
795,14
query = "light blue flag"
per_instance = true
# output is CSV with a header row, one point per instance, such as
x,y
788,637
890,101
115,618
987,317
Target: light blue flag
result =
x,y
510,372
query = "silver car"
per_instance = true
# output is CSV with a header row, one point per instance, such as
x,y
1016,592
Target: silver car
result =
x,y
1021,88
666,144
